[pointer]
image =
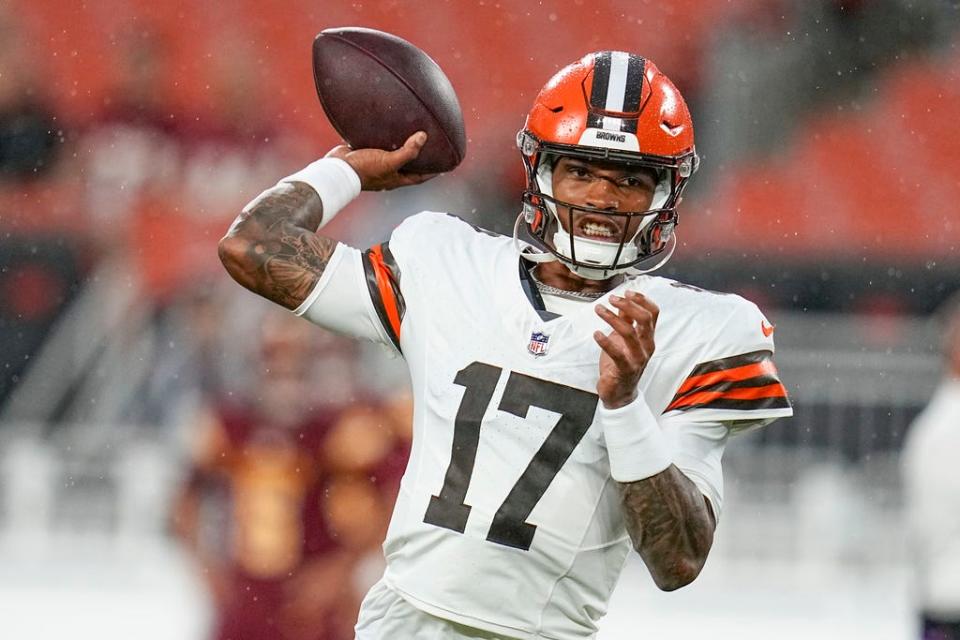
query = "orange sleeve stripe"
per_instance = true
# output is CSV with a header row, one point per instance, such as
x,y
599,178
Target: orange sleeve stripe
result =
x,y
774,390
385,288
745,372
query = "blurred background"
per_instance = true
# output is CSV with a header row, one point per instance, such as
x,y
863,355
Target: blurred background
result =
x,y
176,457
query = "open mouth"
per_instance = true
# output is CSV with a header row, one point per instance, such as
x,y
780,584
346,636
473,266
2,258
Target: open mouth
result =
x,y
599,228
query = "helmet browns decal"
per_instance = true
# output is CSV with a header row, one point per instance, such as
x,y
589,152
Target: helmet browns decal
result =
x,y
614,107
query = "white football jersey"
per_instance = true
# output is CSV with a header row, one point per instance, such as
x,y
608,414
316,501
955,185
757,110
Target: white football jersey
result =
x,y
507,518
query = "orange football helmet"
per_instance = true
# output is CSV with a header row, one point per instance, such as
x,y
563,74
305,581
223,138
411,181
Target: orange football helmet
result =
x,y
610,106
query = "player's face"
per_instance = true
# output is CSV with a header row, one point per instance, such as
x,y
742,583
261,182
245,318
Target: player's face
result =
x,y
603,185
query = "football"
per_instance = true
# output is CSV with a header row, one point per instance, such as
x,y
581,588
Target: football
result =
x,y
377,89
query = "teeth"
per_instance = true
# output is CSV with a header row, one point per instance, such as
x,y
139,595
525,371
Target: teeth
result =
x,y
601,230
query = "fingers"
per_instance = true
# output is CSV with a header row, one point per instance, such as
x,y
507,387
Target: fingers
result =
x,y
410,149
646,303
633,325
622,323
624,341
637,307
381,170
636,315
628,348
612,349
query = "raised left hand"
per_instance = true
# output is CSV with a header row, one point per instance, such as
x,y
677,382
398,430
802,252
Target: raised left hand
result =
x,y
627,349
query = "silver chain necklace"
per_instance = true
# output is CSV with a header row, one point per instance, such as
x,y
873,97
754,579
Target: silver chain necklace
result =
x,y
563,293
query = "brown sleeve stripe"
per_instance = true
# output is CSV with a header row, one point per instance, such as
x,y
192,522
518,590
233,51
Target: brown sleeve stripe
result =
x,y
727,384
744,382
707,398
732,362
383,282
693,382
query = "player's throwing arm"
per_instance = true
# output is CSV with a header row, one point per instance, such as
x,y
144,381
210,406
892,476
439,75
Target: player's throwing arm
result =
x,y
273,247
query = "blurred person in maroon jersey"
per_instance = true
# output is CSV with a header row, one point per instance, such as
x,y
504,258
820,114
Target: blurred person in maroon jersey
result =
x,y
290,493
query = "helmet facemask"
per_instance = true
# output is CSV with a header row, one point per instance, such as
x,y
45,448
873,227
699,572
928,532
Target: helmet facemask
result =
x,y
550,224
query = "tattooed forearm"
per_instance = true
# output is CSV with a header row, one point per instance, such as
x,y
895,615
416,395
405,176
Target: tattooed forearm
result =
x,y
272,248
671,525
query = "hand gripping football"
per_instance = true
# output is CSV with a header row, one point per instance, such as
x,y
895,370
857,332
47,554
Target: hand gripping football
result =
x,y
378,89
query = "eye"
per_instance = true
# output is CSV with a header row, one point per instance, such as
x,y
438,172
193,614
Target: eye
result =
x,y
635,182
577,170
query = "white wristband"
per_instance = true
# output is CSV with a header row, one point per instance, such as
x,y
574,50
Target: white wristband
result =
x,y
335,182
635,445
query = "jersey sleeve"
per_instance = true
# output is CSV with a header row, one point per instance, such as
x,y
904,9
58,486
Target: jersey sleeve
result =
x,y
341,301
697,451
364,294
732,377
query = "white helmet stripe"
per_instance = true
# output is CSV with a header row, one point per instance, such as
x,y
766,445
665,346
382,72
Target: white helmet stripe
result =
x,y
617,85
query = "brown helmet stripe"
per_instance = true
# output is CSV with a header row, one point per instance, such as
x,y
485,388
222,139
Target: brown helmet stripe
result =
x,y
634,89
601,81
631,97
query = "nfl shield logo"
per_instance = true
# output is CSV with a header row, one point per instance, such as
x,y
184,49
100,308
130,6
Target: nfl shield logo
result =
x,y
538,343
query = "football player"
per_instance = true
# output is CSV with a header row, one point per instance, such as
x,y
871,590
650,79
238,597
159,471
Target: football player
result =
x,y
567,405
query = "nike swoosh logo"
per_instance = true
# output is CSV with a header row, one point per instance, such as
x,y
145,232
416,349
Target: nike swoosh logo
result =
x,y
767,329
